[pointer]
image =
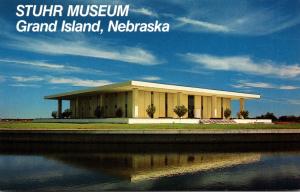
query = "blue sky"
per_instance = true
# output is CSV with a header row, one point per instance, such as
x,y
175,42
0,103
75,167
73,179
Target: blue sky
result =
x,y
246,46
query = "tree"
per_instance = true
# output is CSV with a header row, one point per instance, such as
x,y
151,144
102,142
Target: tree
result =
x,y
291,118
268,115
238,115
283,118
151,110
227,113
119,112
244,114
180,110
99,112
67,113
54,114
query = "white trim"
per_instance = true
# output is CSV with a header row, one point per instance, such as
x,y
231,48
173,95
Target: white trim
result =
x,y
193,89
129,85
253,121
162,121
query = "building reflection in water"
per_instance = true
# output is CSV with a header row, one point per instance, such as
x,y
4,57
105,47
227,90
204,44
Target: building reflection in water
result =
x,y
138,167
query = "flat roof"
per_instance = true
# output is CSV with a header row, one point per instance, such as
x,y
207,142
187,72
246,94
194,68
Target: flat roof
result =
x,y
148,86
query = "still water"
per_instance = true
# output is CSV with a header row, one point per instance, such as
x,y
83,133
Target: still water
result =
x,y
95,167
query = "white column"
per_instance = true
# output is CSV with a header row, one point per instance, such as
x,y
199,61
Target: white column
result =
x,y
214,106
135,107
59,108
242,104
197,113
76,107
101,100
178,98
197,104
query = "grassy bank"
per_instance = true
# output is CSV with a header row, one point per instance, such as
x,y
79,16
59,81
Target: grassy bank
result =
x,y
78,126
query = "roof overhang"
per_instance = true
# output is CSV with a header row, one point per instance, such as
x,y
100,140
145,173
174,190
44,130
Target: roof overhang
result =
x,y
147,86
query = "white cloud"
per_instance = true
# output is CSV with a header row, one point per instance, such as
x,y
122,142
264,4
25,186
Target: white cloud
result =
x,y
244,64
144,11
246,84
41,64
51,66
23,81
202,25
235,17
262,22
151,78
24,85
243,84
26,79
294,101
83,48
288,87
78,82
79,45
283,100
2,79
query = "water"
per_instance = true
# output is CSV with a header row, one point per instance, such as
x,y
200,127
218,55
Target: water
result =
x,y
95,167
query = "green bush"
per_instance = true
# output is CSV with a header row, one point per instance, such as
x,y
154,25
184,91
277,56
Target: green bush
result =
x,y
54,114
180,110
67,113
227,113
268,115
99,112
238,115
291,118
244,114
151,110
119,112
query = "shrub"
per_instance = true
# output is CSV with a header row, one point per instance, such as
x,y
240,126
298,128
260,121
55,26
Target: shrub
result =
x,y
67,113
119,112
289,118
244,114
54,114
227,113
180,110
283,118
99,112
268,115
151,110
238,115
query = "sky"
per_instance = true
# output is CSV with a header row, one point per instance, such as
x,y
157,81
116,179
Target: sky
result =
x,y
234,45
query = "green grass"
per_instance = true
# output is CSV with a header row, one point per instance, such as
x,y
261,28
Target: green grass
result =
x,y
78,126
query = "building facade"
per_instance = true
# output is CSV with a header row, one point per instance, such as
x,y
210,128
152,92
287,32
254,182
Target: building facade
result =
x,y
134,97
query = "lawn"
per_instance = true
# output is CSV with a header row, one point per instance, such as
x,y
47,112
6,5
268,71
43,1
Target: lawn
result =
x,y
78,126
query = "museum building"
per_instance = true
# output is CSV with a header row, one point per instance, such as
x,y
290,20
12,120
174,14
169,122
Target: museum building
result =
x,y
134,97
